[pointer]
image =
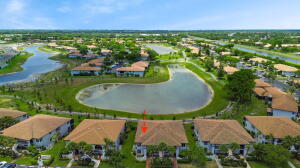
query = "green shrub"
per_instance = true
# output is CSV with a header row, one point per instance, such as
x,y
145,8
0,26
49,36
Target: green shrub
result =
x,y
49,161
33,161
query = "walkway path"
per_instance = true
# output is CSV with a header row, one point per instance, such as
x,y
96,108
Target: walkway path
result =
x,y
70,163
218,161
97,163
291,164
97,115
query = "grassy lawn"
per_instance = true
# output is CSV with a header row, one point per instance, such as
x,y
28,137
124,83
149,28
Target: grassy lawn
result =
x,y
4,158
189,133
287,55
257,107
258,165
129,160
23,106
296,162
187,166
211,164
15,64
54,152
62,93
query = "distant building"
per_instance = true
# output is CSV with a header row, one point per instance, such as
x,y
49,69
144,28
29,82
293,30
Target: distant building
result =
x,y
94,132
266,126
105,52
285,69
285,105
86,70
230,70
16,114
213,133
38,130
144,55
74,54
282,104
170,132
258,61
136,69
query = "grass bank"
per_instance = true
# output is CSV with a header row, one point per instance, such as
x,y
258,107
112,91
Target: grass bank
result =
x,y
62,93
15,65
257,107
286,55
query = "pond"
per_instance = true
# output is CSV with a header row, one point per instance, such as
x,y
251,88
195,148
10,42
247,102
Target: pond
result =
x,y
182,93
263,53
37,64
160,49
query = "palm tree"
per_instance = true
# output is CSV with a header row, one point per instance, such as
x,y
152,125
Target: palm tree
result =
x,y
151,150
270,138
288,142
72,147
234,146
224,148
161,148
171,150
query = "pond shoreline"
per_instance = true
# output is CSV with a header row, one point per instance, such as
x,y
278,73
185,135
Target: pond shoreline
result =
x,y
210,89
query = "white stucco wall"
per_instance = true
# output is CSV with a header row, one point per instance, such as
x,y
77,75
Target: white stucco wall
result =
x,y
46,140
289,114
133,73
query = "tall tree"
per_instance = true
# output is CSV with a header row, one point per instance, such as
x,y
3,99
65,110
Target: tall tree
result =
x,y
240,86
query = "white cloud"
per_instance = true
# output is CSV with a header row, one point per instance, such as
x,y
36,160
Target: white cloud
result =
x,y
17,14
64,9
15,6
95,7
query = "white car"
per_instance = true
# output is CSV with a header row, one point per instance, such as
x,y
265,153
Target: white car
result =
x,y
2,163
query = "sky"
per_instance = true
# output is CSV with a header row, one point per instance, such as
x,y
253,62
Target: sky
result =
x,y
150,14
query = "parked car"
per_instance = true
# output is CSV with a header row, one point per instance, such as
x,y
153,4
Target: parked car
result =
x,y
10,165
2,164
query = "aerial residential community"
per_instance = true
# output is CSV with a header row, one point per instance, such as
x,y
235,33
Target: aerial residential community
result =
x,y
110,84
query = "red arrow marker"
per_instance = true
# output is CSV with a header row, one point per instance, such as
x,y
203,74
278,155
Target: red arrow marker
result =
x,y
144,127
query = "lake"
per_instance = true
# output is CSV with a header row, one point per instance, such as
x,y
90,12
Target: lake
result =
x,y
160,49
262,53
183,92
37,64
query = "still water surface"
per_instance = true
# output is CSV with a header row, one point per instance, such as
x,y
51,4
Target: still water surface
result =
x,y
184,92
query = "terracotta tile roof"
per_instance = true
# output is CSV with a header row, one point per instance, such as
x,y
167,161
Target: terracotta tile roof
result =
x,y
167,131
274,92
279,127
222,131
91,46
137,69
285,102
52,45
98,60
143,64
260,83
95,131
260,91
105,51
91,55
259,60
86,68
144,53
230,70
11,113
282,67
216,63
35,127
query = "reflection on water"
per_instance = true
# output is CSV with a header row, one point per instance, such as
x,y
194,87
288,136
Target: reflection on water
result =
x,y
185,92
37,64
